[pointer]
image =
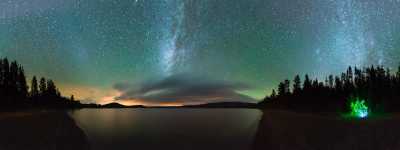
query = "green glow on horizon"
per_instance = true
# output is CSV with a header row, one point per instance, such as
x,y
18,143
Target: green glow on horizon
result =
x,y
359,108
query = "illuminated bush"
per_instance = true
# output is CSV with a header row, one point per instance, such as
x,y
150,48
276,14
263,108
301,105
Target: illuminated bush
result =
x,y
359,108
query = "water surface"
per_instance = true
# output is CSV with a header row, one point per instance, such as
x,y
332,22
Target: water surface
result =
x,y
169,128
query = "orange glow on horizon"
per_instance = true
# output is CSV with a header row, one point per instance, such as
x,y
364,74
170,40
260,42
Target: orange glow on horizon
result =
x,y
133,102
90,94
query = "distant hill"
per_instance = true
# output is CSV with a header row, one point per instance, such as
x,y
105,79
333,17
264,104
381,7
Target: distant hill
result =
x,y
224,105
209,105
110,105
113,105
118,105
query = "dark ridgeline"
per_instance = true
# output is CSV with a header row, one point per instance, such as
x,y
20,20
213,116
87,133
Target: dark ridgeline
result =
x,y
377,85
14,91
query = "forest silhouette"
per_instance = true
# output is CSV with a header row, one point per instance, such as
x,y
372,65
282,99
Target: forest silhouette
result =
x,y
15,92
378,86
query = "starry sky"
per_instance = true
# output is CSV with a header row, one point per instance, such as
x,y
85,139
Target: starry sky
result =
x,y
177,52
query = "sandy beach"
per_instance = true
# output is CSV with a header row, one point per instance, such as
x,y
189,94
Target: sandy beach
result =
x,y
36,130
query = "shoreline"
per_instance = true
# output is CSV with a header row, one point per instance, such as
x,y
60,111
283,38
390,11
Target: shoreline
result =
x,y
41,130
277,129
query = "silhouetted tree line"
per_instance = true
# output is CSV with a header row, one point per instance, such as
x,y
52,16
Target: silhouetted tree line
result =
x,y
15,93
377,85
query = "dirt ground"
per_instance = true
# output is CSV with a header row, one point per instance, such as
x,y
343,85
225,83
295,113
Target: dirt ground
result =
x,y
283,130
36,130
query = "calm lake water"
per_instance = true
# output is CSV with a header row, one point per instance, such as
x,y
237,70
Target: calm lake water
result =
x,y
176,129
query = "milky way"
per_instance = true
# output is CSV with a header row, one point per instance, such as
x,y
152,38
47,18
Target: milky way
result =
x,y
172,52
92,47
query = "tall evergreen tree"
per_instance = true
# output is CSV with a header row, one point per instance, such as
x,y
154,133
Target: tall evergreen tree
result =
x,y
42,86
375,84
330,81
14,89
34,87
307,83
51,88
6,80
13,75
2,80
22,86
296,84
283,88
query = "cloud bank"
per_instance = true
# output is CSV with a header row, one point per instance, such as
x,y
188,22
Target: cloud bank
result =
x,y
183,89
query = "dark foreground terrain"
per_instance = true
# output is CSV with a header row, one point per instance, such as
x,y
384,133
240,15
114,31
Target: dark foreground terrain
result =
x,y
282,130
40,131
278,130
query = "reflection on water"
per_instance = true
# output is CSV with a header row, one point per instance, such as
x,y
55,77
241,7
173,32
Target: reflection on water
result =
x,y
169,128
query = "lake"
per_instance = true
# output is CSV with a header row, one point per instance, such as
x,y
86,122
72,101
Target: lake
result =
x,y
176,129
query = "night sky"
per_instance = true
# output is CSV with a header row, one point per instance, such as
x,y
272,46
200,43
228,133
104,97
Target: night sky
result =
x,y
174,52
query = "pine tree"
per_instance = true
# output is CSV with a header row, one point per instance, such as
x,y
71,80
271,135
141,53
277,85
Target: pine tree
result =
x,y
22,86
42,86
307,83
51,88
283,88
2,80
14,89
5,74
330,81
34,87
296,84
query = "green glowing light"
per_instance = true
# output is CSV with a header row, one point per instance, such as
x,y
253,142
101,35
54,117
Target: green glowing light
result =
x,y
359,108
